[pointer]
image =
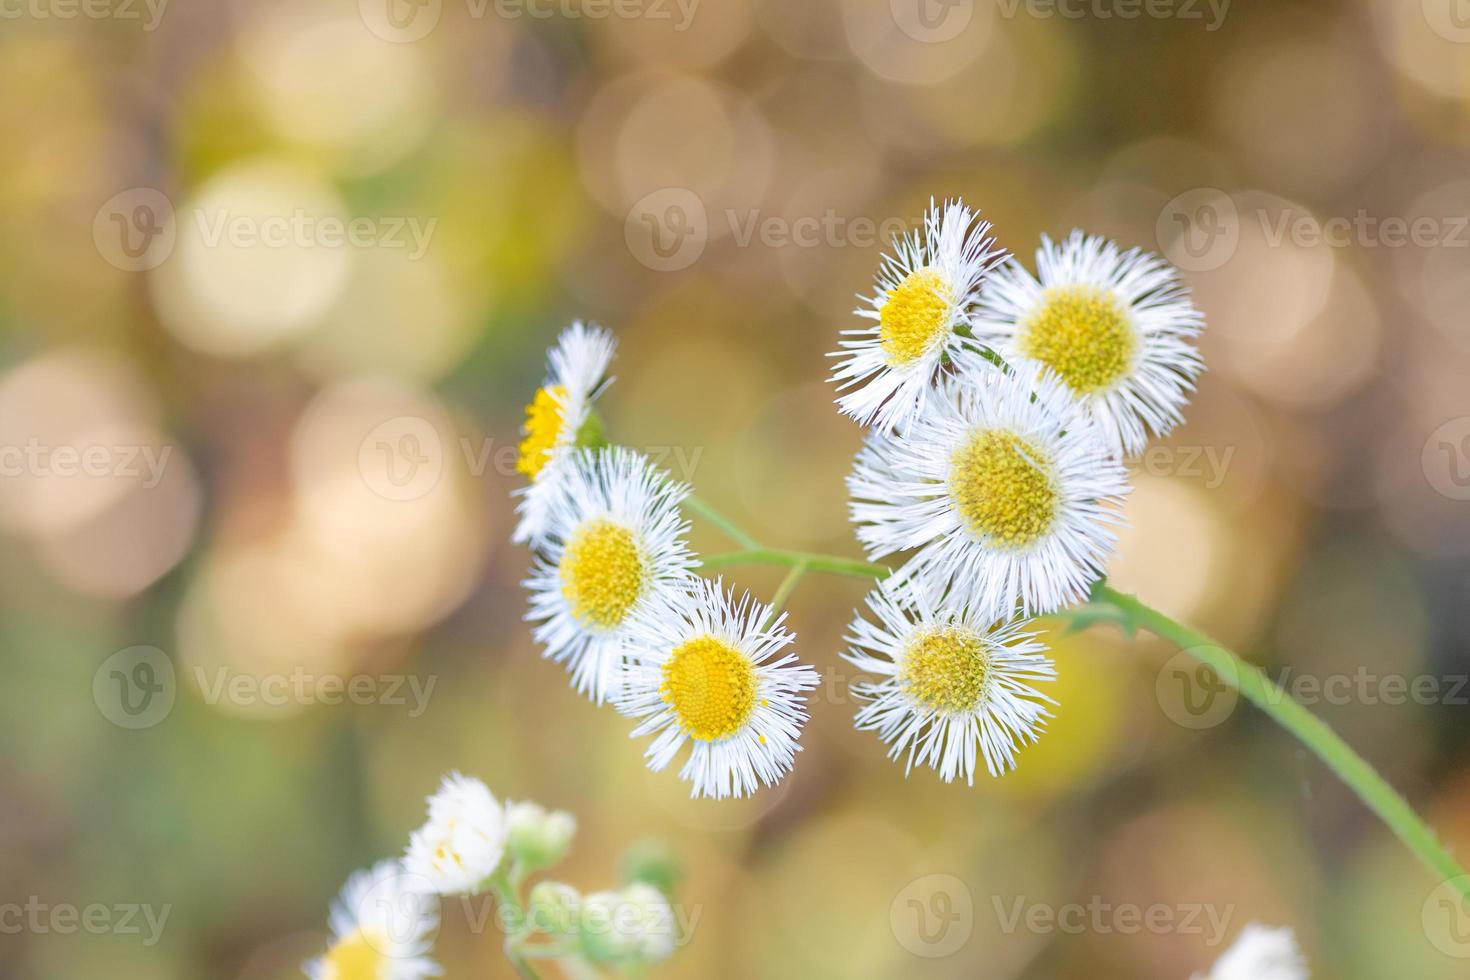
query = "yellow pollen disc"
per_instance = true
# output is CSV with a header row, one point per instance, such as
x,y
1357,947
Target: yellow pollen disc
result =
x,y
602,573
914,316
355,958
711,687
1002,485
1083,334
945,669
543,425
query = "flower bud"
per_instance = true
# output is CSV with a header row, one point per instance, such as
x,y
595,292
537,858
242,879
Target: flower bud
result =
x,y
555,908
632,925
537,838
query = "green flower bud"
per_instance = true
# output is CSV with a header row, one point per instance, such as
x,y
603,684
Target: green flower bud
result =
x,y
539,839
555,908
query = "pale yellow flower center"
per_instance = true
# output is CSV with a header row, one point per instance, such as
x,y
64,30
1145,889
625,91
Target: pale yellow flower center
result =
x,y
945,668
543,426
1003,487
356,957
1083,334
711,687
915,316
602,573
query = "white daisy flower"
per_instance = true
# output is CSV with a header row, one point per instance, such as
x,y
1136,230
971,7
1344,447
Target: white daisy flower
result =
x,y
704,673
951,682
561,407
925,291
463,841
1261,954
1117,327
1002,484
382,927
615,547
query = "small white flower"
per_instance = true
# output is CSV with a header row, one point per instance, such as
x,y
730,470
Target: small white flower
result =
x,y
615,548
951,682
1001,484
1117,327
561,407
538,838
462,842
925,291
1261,954
382,927
704,674
635,924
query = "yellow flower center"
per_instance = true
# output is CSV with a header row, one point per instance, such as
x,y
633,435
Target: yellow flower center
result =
x,y
602,573
543,425
915,316
945,668
357,957
1083,334
711,687
1002,485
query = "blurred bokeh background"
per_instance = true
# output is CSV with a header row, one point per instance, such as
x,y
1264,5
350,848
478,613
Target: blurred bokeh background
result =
x,y
276,280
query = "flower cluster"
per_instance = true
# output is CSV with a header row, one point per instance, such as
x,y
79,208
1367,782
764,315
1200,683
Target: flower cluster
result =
x,y
383,923
1002,407
615,598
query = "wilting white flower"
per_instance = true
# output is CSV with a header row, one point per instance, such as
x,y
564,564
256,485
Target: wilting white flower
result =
x,y
615,548
555,416
463,841
382,927
1004,486
919,311
953,685
703,673
1261,953
1116,327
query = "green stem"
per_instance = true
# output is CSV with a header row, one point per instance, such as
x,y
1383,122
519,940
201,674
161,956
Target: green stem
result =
x,y
731,529
513,912
814,562
784,590
1311,731
1355,771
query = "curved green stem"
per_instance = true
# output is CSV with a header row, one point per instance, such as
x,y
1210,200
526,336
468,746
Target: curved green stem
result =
x,y
1311,731
1107,604
732,530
